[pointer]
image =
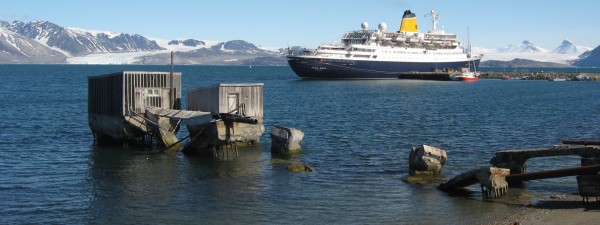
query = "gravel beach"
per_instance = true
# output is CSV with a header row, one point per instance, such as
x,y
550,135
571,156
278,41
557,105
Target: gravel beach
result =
x,y
565,209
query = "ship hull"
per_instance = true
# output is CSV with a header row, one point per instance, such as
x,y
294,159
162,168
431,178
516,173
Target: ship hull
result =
x,y
468,79
321,68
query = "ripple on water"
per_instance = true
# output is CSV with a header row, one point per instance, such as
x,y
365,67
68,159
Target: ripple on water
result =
x,y
358,135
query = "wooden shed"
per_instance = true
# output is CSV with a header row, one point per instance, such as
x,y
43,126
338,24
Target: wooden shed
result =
x,y
118,101
242,99
241,104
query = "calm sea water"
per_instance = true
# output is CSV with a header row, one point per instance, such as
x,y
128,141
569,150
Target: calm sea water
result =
x,y
357,136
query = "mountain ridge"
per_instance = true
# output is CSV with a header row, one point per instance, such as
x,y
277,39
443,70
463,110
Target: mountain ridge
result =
x,y
568,47
46,42
589,59
525,47
78,45
565,54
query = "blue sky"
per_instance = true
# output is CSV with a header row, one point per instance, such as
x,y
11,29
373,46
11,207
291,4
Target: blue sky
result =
x,y
308,23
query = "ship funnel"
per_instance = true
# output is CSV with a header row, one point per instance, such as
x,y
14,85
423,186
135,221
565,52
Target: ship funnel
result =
x,y
409,22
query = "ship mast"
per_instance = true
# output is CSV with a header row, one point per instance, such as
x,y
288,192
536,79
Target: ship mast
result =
x,y
469,56
469,42
434,19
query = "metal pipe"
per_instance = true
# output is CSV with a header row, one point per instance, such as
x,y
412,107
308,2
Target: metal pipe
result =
x,y
580,142
553,173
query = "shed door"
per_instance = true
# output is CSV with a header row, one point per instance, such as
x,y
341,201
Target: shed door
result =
x,y
154,97
140,95
147,97
233,102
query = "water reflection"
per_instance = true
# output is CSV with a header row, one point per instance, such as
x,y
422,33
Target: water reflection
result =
x,y
130,185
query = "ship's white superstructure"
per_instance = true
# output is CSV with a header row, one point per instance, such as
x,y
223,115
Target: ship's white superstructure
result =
x,y
399,51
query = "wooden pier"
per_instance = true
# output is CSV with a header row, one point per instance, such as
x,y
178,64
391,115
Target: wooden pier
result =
x,y
515,159
509,168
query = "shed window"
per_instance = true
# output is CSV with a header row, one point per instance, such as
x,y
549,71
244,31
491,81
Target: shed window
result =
x,y
153,92
233,103
154,98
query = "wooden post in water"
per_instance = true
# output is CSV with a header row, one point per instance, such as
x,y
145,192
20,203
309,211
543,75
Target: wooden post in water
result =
x,y
171,96
493,182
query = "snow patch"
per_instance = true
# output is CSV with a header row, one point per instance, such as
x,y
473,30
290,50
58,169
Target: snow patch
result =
x,y
93,32
164,43
111,58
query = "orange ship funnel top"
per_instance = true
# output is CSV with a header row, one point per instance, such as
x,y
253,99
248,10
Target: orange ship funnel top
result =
x,y
409,22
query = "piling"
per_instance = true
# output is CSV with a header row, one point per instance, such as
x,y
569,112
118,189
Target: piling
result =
x,y
491,179
426,159
286,140
493,182
588,186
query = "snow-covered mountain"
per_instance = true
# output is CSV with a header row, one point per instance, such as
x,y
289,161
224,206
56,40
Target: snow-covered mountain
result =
x,y
76,41
524,47
187,42
15,48
563,54
46,42
589,59
81,46
236,45
568,47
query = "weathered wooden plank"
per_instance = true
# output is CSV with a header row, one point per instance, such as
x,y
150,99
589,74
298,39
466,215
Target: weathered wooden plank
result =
x,y
515,159
545,174
193,118
581,142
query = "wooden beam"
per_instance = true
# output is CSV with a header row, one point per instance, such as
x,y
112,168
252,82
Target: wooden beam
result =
x,y
545,174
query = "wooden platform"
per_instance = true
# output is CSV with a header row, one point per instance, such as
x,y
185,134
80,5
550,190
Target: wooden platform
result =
x,y
183,117
515,159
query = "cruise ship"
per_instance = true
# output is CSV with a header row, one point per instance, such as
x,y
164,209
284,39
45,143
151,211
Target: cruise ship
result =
x,y
378,54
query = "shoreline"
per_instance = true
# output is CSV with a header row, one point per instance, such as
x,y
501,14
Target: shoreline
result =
x,y
574,76
559,209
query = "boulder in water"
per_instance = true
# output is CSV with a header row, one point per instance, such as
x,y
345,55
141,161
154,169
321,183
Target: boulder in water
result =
x,y
285,140
426,160
295,167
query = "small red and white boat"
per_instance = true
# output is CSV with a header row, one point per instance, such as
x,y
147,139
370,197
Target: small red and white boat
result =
x,y
466,75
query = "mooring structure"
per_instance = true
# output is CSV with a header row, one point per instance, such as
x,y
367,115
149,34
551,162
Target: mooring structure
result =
x,y
508,167
145,107
117,103
237,109
515,159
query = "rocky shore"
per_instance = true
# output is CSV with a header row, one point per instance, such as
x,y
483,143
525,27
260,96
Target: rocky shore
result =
x,y
560,209
570,76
